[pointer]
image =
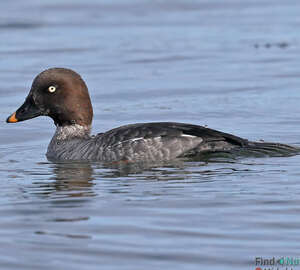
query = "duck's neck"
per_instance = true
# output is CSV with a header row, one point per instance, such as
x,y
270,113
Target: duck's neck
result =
x,y
72,131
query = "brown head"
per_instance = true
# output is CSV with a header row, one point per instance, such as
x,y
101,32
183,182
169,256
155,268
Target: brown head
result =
x,y
59,93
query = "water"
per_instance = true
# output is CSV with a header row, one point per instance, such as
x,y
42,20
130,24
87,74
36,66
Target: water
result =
x,y
232,65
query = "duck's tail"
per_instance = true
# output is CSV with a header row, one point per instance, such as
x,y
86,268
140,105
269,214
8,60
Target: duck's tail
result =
x,y
271,149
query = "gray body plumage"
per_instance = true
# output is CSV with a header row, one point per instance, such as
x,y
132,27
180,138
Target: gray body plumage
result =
x,y
147,142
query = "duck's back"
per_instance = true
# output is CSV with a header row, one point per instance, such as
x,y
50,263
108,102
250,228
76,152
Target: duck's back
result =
x,y
161,141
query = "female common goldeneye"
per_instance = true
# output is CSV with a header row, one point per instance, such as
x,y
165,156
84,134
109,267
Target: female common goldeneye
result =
x,y
63,95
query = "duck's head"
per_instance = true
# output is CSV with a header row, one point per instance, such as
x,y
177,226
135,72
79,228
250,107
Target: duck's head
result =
x,y
59,93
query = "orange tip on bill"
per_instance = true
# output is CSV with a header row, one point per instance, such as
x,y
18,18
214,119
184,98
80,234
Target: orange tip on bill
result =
x,y
12,118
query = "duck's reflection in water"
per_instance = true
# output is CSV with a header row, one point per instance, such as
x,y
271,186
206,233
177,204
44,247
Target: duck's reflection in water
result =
x,y
66,198
74,178
65,180
77,179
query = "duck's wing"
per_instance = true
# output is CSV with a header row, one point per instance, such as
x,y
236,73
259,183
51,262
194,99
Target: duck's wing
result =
x,y
163,141
166,130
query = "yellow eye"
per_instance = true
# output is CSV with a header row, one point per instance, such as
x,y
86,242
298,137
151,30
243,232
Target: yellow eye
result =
x,y
51,89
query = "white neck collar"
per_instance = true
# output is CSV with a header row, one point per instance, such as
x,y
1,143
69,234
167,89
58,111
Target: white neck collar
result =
x,y
72,131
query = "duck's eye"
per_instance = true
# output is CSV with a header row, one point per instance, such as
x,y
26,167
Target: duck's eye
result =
x,y
52,89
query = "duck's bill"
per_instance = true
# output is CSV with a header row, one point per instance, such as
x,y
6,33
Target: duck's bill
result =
x,y
27,111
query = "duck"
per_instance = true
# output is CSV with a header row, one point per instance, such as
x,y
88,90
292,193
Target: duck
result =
x,y
62,94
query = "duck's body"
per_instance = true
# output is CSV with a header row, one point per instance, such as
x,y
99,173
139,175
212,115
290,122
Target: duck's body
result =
x,y
150,142
63,95
139,142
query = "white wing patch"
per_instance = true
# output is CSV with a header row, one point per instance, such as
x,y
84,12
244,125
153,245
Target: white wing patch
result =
x,y
135,139
188,136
